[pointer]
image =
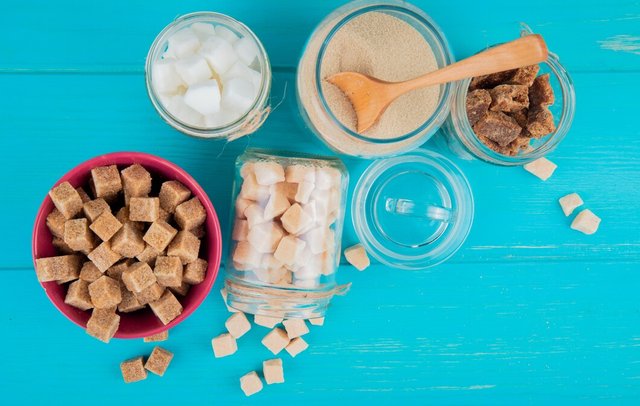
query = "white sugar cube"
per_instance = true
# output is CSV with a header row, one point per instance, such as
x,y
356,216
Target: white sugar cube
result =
x,y
216,120
267,321
183,43
265,237
204,97
226,34
255,215
570,202
238,94
245,254
304,191
317,321
276,205
295,220
357,256
179,109
203,31
317,210
305,283
250,383
316,239
276,340
541,167
224,345
237,325
300,173
326,178
240,70
586,222
252,190
241,205
296,346
289,249
246,49
268,173
240,230
193,69
295,327
272,371
219,54
165,78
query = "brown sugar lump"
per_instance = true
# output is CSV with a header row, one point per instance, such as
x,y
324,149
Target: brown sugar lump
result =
x,y
541,93
136,181
570,202
317,321
93,208
195,271
250,383
159,235
273,371
133,370
295,220
128,241
295,328
586,222
138,277
267,321
540,122
130,302
276,340
58,268
172,193
525,75
83,195
55,222
78,295
357,256
492,80
105,225
149,255
144,209
521,117
77,235
150,294
89,272
237,325
166,308
186,246
541,167
164,336
106,181
477,104
105,292
296,346
509,98
158,361
168,271
224,345
66,199
190,214
103,324
497,127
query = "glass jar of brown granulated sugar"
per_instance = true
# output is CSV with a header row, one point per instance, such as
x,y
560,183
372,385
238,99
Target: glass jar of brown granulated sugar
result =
x,y
392,41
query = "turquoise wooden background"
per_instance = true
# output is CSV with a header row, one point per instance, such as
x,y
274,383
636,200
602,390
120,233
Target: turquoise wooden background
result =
x,y
527,312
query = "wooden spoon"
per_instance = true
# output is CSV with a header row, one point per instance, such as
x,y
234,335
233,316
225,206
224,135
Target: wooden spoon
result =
x,y
370,96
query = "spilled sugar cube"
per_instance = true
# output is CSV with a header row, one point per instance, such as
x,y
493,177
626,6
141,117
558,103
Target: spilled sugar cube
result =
x,y
586,222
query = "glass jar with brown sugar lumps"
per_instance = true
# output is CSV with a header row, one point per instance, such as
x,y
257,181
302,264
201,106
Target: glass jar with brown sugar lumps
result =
x,y
390,40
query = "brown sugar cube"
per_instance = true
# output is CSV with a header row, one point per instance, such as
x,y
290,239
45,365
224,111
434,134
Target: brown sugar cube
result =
x,y
168,271
272,371
55,222
150,294
149,255
357,256
159,235
144,209
477,104
158,361
296,346
199,231
66,199
181,290
128,241
136,181
586,222
541,92
186,246
89,272
524,76
58,268
497,127
195,271
540,122
133,370
295,327
237,325
78,295
541,167
492,80
105,225
118,269
276,340
106,181
103,324
83,194
105,292
509,98
77,235
130,302
164,215
190,214
172,193
224,345
61,246
250,383
163,336
93,208
138,277
166,308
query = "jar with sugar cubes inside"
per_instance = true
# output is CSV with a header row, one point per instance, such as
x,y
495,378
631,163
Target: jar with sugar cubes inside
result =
x,y
209,76
287,216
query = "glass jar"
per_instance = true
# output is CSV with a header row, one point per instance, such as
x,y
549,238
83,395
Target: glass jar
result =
x,y
287,216
249,121
458,135
312,102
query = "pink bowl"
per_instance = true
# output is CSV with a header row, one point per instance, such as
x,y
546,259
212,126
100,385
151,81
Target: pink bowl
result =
x,y
141,323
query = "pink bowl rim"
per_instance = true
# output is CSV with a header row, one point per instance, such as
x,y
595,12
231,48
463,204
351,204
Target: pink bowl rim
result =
x,y
214,233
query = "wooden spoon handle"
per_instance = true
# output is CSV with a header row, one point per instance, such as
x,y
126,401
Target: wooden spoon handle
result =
x,y
521,52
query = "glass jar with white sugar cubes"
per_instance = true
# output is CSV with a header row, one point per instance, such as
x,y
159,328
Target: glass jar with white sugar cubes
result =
x,y
209,76
287,216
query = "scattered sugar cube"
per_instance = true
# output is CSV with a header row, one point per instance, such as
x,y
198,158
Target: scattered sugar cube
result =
x,y
103,324
105,292
295,327
186,246
276,340
164,76
106,225
144,209
183,43
138,277
94,208
78,295
586,222
250,383
172,193
219,54
317,321
226,34
357,256
128,241
265,237
150,294
289,249
570,202
136,181
237,325
158,361
89,272
273,371
195,271
193,69
268,173
159,235
296,346
167,308
541,167
168,271
238,94
224,345
190,214
133,370
66,199
266,321
163,336
204,97
295,220
246,49
106,181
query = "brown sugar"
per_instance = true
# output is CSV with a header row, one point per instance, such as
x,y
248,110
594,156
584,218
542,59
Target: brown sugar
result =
x,y
477,103
103,324
78,295
168,271
138,277
128,241
133,370
159,235
103,257
136,181
106,181
144,209
540,122
541,92
89,272
190,214
186,246
491,81
66,199
78,236
172,193
150,294
58,268
497,127
55,222
105,292
524,76
509,98
93,208
166,308
195,271
158,361
105,225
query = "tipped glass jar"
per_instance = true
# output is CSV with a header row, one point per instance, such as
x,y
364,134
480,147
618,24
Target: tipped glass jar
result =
x,y
208,76
287,216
